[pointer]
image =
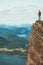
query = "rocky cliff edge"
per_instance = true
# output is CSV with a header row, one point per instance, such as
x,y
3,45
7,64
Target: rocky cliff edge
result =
x,y
35,50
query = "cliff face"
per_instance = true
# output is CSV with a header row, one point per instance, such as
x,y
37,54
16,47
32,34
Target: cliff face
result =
x,y
35,50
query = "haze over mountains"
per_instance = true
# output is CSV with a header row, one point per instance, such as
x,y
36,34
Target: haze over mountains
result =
x,y
17,30
14,36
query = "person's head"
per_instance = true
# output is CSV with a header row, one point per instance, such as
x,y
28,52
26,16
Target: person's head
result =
x,y
39,11
39,14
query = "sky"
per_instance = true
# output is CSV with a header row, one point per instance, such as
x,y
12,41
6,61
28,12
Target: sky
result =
x,y
16,12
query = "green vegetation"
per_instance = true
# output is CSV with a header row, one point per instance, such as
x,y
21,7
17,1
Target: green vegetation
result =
x,y
12,44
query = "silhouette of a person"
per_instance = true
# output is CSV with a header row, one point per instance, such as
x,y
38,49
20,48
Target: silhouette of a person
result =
x,y
39,15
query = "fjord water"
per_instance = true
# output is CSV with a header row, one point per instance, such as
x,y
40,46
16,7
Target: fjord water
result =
x,y
11,60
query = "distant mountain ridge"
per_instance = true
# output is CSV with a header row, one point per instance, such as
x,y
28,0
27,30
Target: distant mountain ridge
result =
x,y
17,30
14,36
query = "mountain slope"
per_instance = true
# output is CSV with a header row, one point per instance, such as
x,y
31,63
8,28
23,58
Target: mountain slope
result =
x,y
3,41
13,41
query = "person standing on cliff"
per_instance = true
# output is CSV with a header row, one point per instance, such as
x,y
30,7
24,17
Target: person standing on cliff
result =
x,y
39,15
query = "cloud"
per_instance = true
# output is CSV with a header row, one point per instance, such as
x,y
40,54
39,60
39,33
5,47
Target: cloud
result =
x,y
22,13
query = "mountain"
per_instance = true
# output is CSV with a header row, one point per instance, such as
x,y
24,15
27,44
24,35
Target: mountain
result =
x,y
35,50
12,41
14,36
21,30
3,41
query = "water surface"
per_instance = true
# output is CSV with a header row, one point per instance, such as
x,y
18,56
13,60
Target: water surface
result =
x,y
11,60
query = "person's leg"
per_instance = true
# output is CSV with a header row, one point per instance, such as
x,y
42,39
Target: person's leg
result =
x,y
39,18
